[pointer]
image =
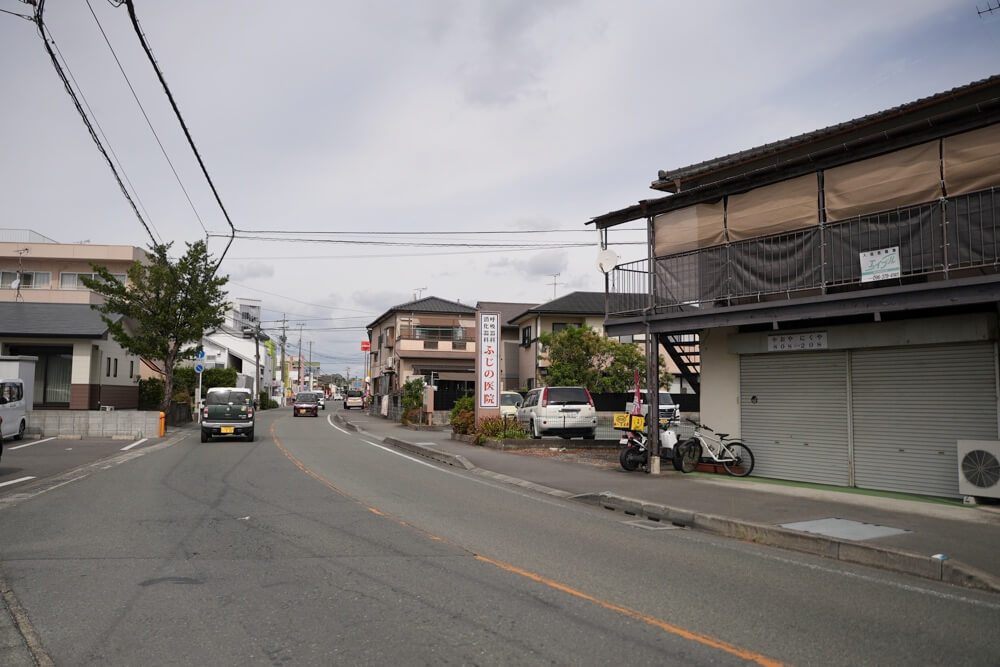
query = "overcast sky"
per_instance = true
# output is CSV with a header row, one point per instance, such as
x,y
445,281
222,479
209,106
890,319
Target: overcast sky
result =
x,y
431,116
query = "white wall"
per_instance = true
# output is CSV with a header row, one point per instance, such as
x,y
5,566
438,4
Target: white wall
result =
x,y
720,382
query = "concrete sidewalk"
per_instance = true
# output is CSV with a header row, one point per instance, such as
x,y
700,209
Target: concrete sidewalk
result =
x,y
944,542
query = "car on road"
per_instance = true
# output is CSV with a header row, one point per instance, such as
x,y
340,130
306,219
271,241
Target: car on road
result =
x,y
564,411
354,398
227,412
510,401
13,410
306,404
320,398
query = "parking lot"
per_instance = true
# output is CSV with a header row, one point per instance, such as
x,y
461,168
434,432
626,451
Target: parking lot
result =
x,y
26,461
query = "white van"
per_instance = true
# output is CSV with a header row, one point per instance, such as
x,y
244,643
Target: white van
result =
x,y
13,409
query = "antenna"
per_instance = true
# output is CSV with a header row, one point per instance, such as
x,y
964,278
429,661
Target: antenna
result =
x,y
418,292
554,283
21,252
990,8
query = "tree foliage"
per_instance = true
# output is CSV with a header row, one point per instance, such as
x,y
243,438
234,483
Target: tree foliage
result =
x,y
582,356
413,399
170,304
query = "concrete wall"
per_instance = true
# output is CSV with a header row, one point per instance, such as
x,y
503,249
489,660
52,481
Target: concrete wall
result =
x,y
720,381
95,424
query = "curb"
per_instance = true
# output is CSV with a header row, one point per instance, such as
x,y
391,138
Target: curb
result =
x,y
926,567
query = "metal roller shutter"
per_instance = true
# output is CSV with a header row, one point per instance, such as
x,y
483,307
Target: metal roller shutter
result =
x,y
910,405
793,410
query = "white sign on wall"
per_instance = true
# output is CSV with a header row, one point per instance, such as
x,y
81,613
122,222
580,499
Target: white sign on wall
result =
x,y
795,342
489,360
880,264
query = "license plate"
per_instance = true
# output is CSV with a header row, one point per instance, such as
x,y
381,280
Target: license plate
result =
x,y
302,411
226,429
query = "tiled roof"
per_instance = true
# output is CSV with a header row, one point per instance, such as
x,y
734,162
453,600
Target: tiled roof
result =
x,y
429,304
63,320
574,303
506,309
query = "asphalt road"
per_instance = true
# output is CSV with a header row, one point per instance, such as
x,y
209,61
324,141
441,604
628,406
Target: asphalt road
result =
x,y
314,546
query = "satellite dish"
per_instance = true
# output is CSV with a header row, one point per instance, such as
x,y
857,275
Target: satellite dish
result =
x,y
606,260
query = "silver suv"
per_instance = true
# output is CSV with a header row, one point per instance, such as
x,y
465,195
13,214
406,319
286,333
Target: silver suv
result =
x,y
564,411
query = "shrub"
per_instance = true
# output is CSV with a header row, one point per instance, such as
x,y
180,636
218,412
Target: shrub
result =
x,y
151,394
465,404
463,423
498,428
413,399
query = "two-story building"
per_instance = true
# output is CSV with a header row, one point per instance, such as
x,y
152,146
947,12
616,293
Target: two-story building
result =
x,y
45,313
430,338
844,288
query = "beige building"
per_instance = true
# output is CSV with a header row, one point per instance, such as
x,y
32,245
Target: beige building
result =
x,y
45,312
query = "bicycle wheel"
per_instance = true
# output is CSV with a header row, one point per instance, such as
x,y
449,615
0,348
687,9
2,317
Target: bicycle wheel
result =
x,y
686,455
742,464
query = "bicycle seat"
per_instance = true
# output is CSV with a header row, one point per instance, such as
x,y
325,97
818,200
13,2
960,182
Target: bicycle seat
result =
x,y
722,436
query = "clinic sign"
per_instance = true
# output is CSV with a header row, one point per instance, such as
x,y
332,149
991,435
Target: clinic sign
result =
x,y
488,368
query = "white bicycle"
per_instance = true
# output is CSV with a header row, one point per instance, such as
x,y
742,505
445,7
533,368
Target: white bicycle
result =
x,y
734,456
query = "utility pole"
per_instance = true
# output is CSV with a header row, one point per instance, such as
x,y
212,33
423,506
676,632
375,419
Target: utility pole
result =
x,y
312,374
299,383
256,378
284,371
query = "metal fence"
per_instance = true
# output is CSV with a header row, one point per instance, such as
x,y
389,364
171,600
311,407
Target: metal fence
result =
x,y
936,238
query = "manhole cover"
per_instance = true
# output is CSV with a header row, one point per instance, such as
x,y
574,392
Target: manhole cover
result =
x,y
844,529
646,524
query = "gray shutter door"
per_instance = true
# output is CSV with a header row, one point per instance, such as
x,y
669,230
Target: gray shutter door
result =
x,y
793,411
911,405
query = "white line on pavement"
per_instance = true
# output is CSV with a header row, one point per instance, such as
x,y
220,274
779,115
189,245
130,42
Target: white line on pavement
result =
x,y
29,444
16,481
134,444
330,422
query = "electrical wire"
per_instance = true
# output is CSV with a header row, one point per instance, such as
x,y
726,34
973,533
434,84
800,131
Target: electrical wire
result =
x,y
107,141
46,36
149,123
26,17
428,244
149,54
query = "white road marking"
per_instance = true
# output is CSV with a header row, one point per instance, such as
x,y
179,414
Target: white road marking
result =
x,y
134,444
329,420
29,444
16,481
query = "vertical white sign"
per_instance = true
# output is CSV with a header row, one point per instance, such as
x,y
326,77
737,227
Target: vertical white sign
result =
x,y
489,360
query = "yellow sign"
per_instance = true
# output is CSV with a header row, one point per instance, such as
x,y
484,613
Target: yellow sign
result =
x,y
627,422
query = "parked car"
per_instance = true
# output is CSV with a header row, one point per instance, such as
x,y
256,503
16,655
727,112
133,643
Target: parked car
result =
x,y
305,404
228,412
510,401
13,410
564,411
354,398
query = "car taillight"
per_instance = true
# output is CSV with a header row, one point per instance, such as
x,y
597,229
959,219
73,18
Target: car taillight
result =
x,y
204,413
545,397
250,413
590,399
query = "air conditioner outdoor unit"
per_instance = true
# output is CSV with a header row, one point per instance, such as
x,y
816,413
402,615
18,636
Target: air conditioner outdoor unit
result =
x,y
979,468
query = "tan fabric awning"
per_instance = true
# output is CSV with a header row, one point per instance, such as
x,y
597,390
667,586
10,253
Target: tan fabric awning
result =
x,y
972,160
690,228
901,178
780,207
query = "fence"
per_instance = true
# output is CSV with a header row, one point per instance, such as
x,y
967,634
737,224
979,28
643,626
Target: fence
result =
x,y
946,238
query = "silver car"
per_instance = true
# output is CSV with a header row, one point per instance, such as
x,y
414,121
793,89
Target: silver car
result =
x,y
564,411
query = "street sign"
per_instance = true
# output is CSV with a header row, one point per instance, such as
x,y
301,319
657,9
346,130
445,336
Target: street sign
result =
x,y
366,346
199,368
200,355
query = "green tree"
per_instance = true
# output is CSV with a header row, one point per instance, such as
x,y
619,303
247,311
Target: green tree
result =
x,y
170,304
582,356
413,399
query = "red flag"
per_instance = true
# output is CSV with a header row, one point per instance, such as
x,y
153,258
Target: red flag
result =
x,y
637,400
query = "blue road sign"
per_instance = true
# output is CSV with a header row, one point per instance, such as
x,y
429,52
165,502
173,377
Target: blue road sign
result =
x,y
199,368
200,355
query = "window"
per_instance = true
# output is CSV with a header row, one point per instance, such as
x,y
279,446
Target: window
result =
x,y
68,280
29,279
116,367
107,370
526,336
562,326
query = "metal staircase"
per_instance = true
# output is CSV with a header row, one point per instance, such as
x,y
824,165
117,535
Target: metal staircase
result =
x,y
685,351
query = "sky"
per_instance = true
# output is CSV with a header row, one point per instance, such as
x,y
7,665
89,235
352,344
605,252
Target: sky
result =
x,y
330,128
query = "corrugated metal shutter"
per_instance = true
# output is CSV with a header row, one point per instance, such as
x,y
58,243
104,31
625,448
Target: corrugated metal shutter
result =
x,y
793,409
911,405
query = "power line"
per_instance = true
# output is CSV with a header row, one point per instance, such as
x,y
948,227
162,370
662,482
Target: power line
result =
x,y
180,119
146,116
428,244
46,36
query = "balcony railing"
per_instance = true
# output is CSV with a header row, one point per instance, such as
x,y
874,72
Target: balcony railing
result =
x,y
945,238
438,333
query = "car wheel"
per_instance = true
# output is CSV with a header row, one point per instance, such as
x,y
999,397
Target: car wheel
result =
x,y
250,436
20,431
204,436
534,431
591,436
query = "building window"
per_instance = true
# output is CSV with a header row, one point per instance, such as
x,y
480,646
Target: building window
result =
x,y
116,367
107,370
29,279
526,336
71,280
131,369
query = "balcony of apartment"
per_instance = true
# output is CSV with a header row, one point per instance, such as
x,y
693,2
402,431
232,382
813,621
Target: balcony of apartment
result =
x,y
943,253
433,340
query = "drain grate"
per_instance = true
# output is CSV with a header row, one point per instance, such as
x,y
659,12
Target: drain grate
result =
x,y
845,529
646,524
